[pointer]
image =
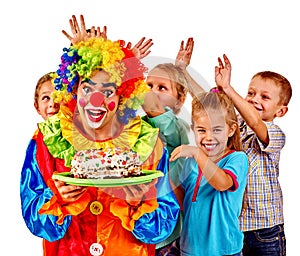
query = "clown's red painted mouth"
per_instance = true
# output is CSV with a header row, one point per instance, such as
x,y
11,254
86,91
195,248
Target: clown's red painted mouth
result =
x,y
95,115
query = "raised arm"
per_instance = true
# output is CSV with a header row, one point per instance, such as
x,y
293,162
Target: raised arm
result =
x,y
184,54
80,33
183,59
246,110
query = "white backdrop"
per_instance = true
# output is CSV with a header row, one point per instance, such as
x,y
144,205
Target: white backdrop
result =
x,y
256,35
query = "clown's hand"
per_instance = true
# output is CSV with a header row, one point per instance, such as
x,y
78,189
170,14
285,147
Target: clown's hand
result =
x,y
69,193
141,49
135,193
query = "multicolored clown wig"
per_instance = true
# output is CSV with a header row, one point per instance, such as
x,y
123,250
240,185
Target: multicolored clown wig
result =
x,y
125,70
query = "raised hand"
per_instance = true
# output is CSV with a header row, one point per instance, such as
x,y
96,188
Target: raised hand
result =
x,y
185,52
223,73
80,33
141,49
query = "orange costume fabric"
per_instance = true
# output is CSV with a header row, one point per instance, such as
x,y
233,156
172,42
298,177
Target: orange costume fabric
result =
x,y
101,216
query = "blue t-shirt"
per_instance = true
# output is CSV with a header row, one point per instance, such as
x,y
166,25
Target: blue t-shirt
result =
x,y
211,225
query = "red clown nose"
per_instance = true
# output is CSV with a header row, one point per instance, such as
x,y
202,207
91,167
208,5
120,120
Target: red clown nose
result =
x,y
97,99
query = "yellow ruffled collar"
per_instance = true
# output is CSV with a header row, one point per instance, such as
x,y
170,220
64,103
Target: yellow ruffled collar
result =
x,y
63,139
127,137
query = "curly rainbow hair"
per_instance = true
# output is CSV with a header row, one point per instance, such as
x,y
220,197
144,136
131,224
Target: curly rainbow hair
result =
x,y
125,70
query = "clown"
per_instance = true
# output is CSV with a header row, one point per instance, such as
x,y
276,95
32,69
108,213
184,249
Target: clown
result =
x,y
100,86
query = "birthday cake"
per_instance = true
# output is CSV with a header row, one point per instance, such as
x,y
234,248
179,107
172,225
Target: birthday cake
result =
x,y
105,164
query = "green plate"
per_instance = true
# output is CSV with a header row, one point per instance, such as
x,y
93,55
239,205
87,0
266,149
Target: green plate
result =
x,y
150,175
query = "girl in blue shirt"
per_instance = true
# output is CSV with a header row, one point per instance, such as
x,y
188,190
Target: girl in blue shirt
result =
x,y
213,179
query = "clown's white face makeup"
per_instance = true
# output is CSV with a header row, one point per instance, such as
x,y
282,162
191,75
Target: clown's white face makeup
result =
x,y
97,101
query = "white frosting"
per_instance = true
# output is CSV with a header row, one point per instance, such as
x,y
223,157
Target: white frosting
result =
x,y
111,163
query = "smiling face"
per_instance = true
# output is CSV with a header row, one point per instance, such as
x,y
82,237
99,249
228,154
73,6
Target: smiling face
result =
x,y
264,95
211,133
97,101
44,104
160,83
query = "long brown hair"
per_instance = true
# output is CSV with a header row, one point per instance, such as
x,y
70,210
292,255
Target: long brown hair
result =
x,y
217,100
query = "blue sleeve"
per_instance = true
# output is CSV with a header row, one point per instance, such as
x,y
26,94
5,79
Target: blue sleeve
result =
x,y
34,193
237,164
156,226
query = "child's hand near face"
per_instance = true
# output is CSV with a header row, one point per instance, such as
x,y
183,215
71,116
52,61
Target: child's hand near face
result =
x,y
184,151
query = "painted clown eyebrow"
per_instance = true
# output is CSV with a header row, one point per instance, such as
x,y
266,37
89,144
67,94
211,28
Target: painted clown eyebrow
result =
x,y
109,84
90,82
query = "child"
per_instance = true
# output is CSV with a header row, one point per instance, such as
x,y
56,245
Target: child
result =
x,y
169,85
268,96
213,179
168,93
43,102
